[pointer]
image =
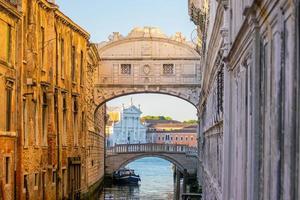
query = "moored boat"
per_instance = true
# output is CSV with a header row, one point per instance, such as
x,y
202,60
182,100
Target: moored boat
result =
x,y
126,176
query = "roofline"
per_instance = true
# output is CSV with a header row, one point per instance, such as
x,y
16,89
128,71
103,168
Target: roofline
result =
x,y
134,39
70,23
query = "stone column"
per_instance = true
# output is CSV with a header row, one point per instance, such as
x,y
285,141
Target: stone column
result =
x,y
255,140
177,184
185,175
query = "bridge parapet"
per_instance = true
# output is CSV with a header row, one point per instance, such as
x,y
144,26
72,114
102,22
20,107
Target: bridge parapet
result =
x,y
151,147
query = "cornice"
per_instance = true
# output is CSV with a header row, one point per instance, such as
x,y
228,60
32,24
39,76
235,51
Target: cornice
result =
x,y
10,9
112,85
213,61
46,5
94,51
68,22
143,39
148,58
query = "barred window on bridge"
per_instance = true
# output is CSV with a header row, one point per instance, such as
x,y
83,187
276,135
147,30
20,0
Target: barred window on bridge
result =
x,y
125,69
168,69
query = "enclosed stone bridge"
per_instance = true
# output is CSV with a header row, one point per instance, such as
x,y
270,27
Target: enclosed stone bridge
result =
x,y
182,156
147,61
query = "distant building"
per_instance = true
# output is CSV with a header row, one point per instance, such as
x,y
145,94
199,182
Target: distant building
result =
x,y
128,129
171,132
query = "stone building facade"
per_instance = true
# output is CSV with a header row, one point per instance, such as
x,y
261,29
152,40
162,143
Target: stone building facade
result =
x,y
51,145
171,132
9,74
249,110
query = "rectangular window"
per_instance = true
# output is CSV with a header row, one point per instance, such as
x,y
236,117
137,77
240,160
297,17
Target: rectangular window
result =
x,y
167,137
81,68
75,121
8,108
82,122
125,69
64,131
220,89
56,116
43,179
36,123
42,46
25,123
168,69
62,58
44,119
54,177
7,170
64,183
73,62
26,183
9,43
36,179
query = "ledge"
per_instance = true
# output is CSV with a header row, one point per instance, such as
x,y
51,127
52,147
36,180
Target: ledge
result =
x,y
8,134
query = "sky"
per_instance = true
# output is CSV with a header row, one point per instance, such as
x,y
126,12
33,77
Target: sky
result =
x,y
159,104
102,17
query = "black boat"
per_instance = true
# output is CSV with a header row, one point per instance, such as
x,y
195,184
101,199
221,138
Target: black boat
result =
x,y
126,176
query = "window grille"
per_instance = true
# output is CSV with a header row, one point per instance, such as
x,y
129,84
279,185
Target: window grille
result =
x,y
168,69
126,69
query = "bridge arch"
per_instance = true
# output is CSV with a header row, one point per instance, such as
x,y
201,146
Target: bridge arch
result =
x,y
145,92
182,156
147,61
162,156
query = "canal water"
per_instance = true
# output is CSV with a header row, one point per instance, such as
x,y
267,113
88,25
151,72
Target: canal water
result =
x,y
157,182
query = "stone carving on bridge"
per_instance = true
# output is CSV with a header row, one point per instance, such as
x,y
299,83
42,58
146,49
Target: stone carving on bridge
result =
x,y
103,95
147,61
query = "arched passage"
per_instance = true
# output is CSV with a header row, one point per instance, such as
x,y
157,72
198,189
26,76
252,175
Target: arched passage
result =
x,y
178,165
143,92
180,159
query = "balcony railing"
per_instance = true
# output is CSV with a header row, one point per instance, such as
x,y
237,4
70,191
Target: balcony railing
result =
x,y
151,148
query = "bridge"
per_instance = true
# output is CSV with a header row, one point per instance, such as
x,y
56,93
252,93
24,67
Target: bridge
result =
x,y
182,156
147,61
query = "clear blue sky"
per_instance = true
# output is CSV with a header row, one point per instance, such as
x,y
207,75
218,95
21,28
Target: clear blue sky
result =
x,y
158,104
102,17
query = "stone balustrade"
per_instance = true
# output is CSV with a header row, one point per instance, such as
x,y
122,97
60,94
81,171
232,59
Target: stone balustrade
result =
x,y
151,147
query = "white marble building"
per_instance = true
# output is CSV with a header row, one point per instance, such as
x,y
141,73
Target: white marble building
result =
x,y
249,103
129,129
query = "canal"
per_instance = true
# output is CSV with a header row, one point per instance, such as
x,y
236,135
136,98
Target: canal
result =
x,y
157,182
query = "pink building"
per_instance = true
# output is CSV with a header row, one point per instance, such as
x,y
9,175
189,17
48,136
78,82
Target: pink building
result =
x,y
171,132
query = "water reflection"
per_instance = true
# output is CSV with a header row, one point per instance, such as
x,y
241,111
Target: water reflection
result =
x,y
121,192
157,182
